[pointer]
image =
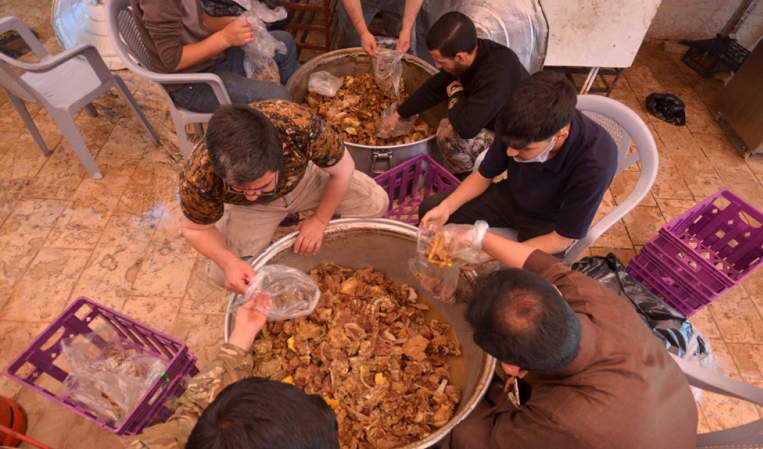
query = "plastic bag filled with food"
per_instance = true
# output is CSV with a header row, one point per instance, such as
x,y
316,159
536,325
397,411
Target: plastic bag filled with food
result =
x,y
324,83
293,293
402,127
388,66
258,60
108,380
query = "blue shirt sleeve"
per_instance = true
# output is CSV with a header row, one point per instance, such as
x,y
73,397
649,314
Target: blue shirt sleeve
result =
x,y
496,161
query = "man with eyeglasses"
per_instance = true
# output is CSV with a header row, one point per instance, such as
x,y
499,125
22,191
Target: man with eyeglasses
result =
x,y
559,164
261,163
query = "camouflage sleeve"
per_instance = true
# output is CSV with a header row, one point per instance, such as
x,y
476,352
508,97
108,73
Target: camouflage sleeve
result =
x,y
229,366
201,191
324,145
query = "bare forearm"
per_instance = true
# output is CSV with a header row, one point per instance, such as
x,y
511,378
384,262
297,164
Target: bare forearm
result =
x,y
551,243
202,51
355,12
508,252
336,188
210,243
472,187
215,24
412,8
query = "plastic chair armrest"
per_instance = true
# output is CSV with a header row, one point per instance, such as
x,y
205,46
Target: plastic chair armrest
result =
x,y
86,50
211,79
12,23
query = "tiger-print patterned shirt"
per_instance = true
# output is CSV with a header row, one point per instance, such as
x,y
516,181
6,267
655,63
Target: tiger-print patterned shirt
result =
x,y
306,137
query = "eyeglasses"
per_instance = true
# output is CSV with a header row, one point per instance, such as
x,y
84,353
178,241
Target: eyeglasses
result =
x,y
255,192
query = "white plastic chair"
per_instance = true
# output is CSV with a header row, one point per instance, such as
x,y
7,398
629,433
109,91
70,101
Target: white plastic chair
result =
x,y
748,435
62,84
128,45
623,125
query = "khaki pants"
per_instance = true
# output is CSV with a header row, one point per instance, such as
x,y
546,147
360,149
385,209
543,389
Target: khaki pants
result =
x,y
459,154
249,229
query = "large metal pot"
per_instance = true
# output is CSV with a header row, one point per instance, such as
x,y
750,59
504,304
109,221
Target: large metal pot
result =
x,y
373,160
386,245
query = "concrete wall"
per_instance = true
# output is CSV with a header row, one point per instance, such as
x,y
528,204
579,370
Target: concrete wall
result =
x,y
702,19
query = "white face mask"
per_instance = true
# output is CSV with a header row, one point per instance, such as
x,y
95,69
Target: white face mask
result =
x,y
543,157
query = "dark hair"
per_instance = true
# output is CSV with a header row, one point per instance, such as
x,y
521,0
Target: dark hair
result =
x,y
539,107
258,413
243,144
521,319
452,33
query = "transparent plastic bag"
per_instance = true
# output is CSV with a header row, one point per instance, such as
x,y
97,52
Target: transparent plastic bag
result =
x,y
388,66
264,13
109,381
402,127
258,60
324,83
293,293
438,282
464,242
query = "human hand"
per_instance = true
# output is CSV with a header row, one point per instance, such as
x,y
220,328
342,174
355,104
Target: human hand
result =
x,y
237,33
250,318
435,219
404,41
464,241
310,236
368,42
454,88
238,275
388,124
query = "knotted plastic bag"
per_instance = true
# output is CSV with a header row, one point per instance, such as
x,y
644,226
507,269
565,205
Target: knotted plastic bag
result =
x,y
324,83
109,381
402,127
388,66
667,107
258,59
293,293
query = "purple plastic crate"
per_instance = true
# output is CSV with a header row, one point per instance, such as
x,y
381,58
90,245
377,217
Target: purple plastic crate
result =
x,y
675,291
725,234
412,182
687,265
37,368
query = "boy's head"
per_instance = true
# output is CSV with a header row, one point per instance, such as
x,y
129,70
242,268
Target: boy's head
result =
x,y
451,41
244,150
537,115
258,413
522,320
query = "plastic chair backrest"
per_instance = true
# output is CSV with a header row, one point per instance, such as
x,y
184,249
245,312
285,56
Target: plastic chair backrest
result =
x,y
9,79
128,45
623,124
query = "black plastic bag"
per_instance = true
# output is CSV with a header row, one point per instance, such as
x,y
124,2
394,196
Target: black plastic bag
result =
x,y
666,323
667,107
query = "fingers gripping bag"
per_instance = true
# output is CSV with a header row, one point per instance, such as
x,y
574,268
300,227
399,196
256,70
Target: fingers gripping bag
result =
x,y
258,61
388,66
293,293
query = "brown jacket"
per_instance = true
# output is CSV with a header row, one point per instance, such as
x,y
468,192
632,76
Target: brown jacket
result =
x,y
621,391
165,26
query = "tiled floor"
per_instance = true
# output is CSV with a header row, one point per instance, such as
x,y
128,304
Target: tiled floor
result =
x,y
118,240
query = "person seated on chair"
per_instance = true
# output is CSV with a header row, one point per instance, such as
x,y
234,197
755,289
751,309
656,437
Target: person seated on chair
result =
x,y
592,373
179,37
260,164
559,164
476,78
398,17
225,407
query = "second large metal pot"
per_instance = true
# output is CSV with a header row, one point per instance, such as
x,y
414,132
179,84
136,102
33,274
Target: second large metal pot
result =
x,y
387,245
373,160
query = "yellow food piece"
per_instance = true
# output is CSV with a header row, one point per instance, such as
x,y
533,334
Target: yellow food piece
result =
x,y
290,343
288,380
333,403
379,379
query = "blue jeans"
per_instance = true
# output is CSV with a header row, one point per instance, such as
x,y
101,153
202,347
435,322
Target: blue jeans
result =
x,y
199,97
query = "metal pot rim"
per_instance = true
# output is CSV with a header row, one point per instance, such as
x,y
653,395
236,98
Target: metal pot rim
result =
x,y
337,227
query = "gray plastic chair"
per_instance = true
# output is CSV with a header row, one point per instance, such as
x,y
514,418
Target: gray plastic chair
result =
x,y
623,125
748,435
128,45
62,84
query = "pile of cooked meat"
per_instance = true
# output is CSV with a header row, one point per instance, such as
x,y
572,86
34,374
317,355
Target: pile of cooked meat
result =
x,y
355,110
370,352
